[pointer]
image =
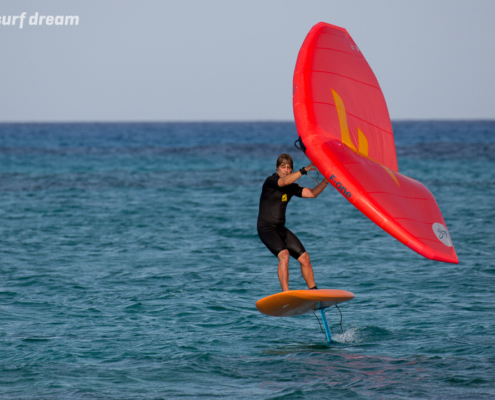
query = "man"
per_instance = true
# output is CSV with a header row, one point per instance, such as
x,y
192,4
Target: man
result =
x,y
277,191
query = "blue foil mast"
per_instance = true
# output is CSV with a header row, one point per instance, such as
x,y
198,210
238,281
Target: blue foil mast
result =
x,y
325,324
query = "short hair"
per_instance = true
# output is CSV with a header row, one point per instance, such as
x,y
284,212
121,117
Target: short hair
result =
x,y
285,158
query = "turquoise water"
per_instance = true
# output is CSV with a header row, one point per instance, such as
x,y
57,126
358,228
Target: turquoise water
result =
x,y
130,268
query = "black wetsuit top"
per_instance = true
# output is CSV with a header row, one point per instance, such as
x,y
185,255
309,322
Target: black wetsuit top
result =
x,y
274,200
271,218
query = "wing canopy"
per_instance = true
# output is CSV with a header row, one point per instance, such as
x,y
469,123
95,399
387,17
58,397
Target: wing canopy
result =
x,y
343,120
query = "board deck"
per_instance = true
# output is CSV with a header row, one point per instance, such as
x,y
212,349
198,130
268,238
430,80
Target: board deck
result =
x,y
297,302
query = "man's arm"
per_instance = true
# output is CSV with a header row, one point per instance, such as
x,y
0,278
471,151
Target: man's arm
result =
x,y
294,176
312,193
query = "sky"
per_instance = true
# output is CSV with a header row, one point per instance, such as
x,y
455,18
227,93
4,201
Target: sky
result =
x,y
233,60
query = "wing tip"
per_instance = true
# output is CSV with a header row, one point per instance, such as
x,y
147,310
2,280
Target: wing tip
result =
x,y
431,254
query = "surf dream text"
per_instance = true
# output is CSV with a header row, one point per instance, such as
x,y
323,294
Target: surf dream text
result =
x,y
36,19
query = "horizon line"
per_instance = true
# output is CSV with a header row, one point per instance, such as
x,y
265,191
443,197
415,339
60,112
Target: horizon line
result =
x,y
240,121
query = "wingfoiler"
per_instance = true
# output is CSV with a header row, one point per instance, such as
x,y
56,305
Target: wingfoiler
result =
x,y
345,130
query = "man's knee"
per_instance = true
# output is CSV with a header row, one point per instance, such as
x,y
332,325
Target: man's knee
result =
x,y
304,259
283,256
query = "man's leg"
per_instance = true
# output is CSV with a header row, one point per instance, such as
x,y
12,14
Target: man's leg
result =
x,y
283,269
307,270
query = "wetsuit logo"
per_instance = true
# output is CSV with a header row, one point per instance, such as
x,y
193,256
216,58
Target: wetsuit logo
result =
x,y
284,197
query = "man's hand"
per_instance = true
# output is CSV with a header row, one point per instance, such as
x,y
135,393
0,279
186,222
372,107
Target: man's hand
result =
x,y
310,167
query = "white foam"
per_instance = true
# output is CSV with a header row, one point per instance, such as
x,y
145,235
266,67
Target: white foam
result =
x,y
350,335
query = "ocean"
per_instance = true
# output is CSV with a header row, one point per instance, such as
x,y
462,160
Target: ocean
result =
x,y
130,267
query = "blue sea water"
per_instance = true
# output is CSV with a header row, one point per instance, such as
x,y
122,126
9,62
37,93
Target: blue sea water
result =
x,y
130,267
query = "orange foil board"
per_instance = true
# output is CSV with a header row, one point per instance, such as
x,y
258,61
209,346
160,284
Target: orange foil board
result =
x,y
342,118
297,302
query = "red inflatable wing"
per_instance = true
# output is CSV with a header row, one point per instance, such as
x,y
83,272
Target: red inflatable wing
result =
x,y
343,122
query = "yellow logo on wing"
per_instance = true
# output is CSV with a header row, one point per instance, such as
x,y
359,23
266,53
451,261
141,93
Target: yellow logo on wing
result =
x,y
284,197
344,129
346,136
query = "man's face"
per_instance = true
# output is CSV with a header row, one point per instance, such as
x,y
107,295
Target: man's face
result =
x,y
284,169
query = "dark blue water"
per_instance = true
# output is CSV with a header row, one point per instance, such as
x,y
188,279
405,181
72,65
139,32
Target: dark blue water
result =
x,y
130,267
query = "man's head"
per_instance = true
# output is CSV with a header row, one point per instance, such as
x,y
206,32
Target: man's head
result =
x,y
284,165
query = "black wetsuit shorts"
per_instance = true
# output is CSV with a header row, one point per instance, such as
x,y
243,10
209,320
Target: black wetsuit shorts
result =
x,y
279,239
